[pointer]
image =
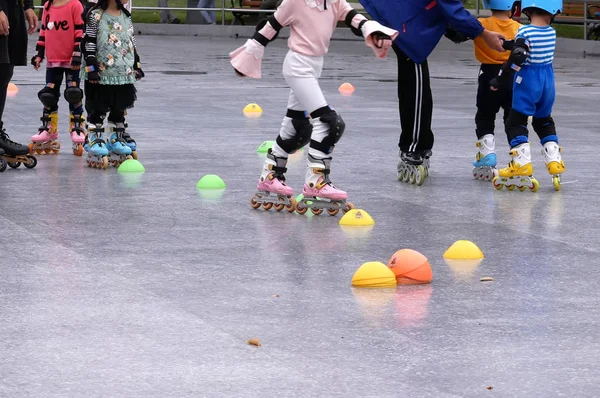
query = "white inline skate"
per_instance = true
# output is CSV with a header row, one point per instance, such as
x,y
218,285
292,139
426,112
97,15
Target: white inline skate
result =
x,y
413,167
484,165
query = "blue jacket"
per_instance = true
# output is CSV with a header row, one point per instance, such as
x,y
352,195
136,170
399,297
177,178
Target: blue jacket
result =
x,y
422,23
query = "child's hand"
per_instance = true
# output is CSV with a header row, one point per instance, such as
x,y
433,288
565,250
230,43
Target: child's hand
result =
x,y
494,84
36,61
381,40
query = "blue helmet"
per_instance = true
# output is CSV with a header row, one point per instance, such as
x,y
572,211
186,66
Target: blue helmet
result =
x,y
552,6
500,5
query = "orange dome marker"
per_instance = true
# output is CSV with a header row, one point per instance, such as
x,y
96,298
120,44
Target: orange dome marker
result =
x,y
410,267
346,89
12,90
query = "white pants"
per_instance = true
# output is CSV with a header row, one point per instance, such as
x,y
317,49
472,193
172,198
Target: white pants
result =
x,y
301,72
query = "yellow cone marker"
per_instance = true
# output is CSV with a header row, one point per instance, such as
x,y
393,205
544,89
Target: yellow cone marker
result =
x,y
252,110
463,250
357,218
374,274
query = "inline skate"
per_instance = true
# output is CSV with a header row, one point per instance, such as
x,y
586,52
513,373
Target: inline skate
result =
x,y
95,146
118,149
46,139
519,172
272,191
554,162
484,165
14,153
77,133
319,192
413,167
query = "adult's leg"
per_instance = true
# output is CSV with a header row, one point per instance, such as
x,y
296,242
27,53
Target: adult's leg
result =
x,y
205,14
6,73
415,103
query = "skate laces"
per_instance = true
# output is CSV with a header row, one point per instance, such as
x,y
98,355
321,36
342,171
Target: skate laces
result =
x,y
5,137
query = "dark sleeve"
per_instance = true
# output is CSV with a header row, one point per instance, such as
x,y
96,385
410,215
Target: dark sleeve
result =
x,y
461,19
91,33
27,4
3,5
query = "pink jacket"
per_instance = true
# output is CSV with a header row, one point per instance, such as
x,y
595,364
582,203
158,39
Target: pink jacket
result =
x,y
61,32
311,23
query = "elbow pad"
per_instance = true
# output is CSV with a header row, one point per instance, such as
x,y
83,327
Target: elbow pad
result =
x,y
273,24
358,30
519,54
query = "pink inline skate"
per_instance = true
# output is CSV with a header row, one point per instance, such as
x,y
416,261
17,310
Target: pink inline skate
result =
x,y
272,190
76,126
319,193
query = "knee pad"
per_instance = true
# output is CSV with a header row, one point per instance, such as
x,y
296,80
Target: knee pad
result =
x,y
544,127
336,129
303,128
73,95
48,97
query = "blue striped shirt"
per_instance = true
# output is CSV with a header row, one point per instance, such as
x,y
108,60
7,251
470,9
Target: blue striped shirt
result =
x,y
541,42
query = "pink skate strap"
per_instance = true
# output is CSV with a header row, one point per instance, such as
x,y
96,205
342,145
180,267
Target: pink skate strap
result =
x,y
248,59
380,49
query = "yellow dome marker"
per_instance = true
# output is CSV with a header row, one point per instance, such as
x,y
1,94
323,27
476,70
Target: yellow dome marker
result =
x,y
357,218
252,110
463,250
374,274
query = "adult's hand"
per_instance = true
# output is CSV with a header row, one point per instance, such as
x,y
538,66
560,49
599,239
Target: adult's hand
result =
x,y
3,24
493,40
32,20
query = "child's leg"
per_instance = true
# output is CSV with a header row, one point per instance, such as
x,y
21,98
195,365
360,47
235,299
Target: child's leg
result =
x,y
294,134
49,96
74,96
488,105
544,126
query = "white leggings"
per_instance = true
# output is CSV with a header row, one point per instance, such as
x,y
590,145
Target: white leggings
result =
x,y
301,72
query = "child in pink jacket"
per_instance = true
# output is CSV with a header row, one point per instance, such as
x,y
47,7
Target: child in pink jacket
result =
x,y
311,25
60,37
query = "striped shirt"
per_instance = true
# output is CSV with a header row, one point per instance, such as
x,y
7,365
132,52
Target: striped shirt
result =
x,y
541,42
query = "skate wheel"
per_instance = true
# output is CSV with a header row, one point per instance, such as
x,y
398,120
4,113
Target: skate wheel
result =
x,y
349,206
134,154
2,165
405,175
333,212
556,183
254,203
31,149
279,206
39,151
267,206
316,212
89,164
496,184
301,208
535,185
31,162
292,206
78,151
14,165
104,164
128,157
47,151
510,187
420,175
521,189
114,163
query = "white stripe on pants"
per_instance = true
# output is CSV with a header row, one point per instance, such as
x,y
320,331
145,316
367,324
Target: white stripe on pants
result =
x,y
418,106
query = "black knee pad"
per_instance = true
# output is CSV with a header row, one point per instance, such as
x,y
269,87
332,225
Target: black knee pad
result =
x,y
48,97
303,129
544,126
73,95
336,129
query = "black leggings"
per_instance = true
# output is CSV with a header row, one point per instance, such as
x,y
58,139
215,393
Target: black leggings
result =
x,y
6,73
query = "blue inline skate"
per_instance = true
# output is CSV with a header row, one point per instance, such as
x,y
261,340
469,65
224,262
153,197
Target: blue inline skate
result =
x,y
484,165
117,146
95,146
